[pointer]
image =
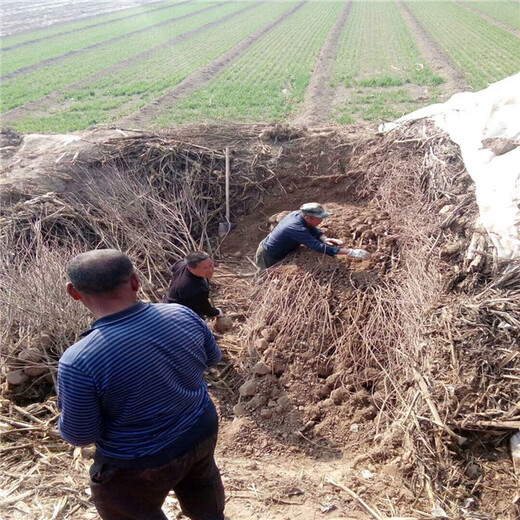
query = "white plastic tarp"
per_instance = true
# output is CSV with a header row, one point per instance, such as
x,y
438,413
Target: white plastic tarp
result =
x,y
469,118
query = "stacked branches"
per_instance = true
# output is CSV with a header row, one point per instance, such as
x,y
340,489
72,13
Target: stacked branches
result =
x,y
433,339
456,357
155,198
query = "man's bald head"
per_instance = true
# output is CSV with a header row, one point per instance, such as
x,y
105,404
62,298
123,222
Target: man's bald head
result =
x,y
100,271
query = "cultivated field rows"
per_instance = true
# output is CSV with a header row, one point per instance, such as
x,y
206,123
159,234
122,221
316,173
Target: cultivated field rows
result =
x,y
56,30
101,70
33,85
505,12
484,52
31,53
21,17
105,98
269,80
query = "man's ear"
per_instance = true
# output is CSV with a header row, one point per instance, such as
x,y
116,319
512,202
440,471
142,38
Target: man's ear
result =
x,y
72,291
134,282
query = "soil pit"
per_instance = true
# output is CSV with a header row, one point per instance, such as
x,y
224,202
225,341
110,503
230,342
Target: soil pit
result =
x,y
334,368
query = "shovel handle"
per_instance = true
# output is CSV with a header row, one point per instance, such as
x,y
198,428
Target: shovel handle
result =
x,y
227,184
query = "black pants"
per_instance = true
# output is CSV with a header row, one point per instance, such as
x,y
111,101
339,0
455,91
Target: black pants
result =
x,y
131,494
262,259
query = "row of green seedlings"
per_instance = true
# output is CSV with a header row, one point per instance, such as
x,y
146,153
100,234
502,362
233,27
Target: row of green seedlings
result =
x,y
34,85
59,29
377,49
111,97
37,52
268,82
377,53
484,52
505,12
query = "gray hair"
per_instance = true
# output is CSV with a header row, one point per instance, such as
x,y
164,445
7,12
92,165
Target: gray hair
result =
x,y
195,258
99,271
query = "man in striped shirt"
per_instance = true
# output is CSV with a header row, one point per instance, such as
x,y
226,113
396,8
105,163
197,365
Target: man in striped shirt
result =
x,y
134,385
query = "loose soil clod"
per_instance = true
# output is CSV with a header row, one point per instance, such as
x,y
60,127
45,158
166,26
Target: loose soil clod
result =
x,y
406,364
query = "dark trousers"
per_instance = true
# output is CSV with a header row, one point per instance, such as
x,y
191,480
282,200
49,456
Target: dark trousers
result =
x,y
262,259
131,494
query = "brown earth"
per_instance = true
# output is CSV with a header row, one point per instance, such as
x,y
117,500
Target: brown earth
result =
x,y
310,427
319,94
435,57
200,78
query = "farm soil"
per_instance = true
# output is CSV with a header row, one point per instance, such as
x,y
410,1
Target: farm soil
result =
x,y
271,469
319,94
295,448
490,19
434,56
200,78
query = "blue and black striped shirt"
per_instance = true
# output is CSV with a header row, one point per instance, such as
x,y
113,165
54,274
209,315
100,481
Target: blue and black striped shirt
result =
x,y
135,385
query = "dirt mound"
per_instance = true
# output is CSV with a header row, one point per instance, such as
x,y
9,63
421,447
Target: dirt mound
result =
x,y
362,354
303,375
396,375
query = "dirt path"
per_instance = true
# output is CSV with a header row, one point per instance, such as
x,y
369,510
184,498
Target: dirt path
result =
x,y
319,94
29,42
490,19
274,487
52,100
57,59
434,56
201,77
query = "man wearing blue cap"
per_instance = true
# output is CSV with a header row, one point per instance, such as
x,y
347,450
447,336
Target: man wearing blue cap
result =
x,y
300,228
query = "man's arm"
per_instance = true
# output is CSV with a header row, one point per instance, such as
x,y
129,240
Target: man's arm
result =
x,y
306,238
315,232
201,305
80,421
213,352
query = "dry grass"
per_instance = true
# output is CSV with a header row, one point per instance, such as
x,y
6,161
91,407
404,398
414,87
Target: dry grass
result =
x,y
441,328
154,198
437,335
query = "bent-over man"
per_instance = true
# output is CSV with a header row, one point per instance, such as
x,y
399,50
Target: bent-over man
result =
x,y
300,228
134,385
189,285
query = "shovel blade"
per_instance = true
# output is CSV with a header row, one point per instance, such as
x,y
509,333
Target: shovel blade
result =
x,y
224,228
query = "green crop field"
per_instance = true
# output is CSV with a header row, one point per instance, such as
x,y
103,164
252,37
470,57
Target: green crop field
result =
x,y
483,52
34,85
377,49
269,81
372,61
62,28
30,54
104,99
505,12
